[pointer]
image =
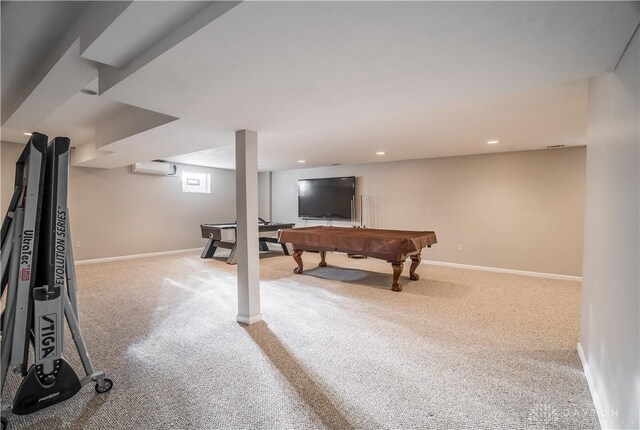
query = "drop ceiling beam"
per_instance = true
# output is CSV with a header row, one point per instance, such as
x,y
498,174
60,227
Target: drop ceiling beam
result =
x,y
110,76
84,154
160,142
57,84
128,122
139,27
63,73
96,19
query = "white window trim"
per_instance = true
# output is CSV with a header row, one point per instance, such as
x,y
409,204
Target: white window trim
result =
x,y
204,182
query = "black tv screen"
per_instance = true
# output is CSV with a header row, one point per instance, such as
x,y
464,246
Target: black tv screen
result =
x,y
328,198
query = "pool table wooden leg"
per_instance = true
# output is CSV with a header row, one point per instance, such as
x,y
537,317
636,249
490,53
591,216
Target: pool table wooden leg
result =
x,y
323,256
397,271
415,262
297,256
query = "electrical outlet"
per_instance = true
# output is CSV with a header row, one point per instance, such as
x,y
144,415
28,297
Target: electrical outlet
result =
x,y
460,248
77,244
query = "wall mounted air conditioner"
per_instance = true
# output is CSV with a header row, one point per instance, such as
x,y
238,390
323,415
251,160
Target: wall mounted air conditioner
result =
x,y
155,168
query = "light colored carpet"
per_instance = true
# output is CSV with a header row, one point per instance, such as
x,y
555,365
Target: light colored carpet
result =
x,y
457,349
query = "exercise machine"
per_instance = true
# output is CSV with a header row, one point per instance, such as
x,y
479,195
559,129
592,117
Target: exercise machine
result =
x,y
39,283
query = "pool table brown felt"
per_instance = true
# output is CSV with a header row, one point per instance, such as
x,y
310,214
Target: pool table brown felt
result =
x,y
394,246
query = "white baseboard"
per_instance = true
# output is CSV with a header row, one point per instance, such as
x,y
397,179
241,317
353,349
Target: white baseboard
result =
x,y
131,257
249,320
432,262
603,416
500,270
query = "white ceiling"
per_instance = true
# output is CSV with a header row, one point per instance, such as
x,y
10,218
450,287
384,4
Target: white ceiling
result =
x,y
334,82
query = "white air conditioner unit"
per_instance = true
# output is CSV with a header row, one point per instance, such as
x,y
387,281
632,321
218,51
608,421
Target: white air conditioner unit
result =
x,y
155,168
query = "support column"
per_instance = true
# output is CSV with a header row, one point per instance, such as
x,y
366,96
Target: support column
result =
x,y
247,227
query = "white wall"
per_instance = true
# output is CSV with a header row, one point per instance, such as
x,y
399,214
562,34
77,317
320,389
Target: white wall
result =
x,y
517,210
610,334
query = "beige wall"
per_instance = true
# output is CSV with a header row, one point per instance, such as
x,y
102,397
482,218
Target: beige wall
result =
x,y
264,195
514,210
115,212
9,153
518,210
610,329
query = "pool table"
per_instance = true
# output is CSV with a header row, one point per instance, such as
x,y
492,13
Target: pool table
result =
x,y
394,246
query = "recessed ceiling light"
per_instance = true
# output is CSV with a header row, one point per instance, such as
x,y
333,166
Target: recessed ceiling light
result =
x,y
301,161
380,153
492,142
27,134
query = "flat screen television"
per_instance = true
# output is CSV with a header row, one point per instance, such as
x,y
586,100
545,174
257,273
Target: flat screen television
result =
x,y
327,198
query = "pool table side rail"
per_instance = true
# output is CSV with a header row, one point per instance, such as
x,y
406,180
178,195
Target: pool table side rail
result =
x,y
391,245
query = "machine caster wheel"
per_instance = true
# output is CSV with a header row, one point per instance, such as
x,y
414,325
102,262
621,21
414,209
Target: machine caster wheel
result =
x,y
107,385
